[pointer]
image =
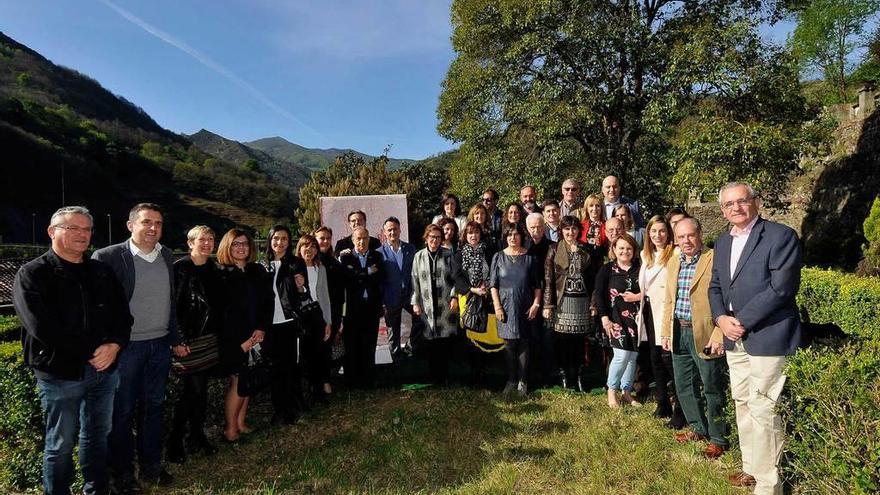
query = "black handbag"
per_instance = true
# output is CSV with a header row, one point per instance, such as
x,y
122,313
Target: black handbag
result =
x,y
311,316
256,375
475,317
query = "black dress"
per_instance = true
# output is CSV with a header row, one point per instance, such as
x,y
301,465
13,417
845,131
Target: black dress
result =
x,y
611,282
250,303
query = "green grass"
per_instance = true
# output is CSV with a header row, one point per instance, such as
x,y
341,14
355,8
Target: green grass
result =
x,y
459,441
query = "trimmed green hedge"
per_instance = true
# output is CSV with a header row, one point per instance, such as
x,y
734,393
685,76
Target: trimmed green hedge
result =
x,y
848,301
832,414
10,329
21,422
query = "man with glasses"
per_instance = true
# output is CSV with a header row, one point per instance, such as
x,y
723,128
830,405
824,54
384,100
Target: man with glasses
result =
x,y
75,321
145,269
356,219
755,278
569,205
496,218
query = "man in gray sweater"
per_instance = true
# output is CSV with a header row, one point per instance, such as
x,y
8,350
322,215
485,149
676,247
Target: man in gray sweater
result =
x,y
144,267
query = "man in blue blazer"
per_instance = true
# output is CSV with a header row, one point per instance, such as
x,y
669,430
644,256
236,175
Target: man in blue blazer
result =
x,y
144,268
397,284
755,277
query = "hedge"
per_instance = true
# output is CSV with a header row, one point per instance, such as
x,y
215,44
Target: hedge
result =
x,y
831,409
850,302
10,328
831,406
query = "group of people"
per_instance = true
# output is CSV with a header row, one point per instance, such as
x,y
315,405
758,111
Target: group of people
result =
x,y
556,287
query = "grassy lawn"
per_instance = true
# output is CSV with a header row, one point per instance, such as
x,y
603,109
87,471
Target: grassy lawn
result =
x,y
458,441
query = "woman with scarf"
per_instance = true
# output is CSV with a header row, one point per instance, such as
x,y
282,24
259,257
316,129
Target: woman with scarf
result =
x,y
471,274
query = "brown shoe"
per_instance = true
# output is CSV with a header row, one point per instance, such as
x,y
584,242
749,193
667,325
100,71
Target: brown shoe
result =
x,y
713,451
741,479
688,436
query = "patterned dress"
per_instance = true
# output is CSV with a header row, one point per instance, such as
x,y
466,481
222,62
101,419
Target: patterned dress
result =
x,y
611,282
573,315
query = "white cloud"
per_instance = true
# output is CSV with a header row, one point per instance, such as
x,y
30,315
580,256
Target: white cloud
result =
x,y
360,29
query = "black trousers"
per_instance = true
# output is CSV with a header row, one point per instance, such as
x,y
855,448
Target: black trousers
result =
x,y
661,362
543,358
359,333
191,408
315,353
286,386
439,352
570,349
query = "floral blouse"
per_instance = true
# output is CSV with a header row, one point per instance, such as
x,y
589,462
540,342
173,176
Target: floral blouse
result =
x,y
611,282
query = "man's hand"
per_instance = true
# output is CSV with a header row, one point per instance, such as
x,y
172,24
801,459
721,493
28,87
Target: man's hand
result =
x,y
717,349
180,350
104,356
731,327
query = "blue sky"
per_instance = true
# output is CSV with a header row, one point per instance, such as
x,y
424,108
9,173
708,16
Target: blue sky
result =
x,y
358,74
336,73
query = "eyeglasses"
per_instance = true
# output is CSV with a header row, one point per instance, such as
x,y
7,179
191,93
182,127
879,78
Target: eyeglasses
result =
x,y
240,244
74,228
488,200
742,203
570,189
435,236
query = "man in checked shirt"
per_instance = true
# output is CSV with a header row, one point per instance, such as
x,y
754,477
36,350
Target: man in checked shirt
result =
x,y
695,341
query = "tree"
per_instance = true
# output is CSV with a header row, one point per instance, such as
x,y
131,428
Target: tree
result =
x,y
826,34
542,90
348,176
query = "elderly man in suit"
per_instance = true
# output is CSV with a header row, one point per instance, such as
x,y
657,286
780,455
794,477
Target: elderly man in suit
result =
x,y
397,285
363,271
695,342
755,277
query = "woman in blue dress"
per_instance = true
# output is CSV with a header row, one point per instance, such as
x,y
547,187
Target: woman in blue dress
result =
x,y
516,294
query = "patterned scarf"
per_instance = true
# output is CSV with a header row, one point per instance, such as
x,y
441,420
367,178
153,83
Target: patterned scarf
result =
x,y
473,261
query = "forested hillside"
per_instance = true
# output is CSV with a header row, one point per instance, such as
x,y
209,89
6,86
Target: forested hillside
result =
x,y
67,140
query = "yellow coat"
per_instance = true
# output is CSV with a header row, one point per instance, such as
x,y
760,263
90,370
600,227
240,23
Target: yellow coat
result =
x,y
704,328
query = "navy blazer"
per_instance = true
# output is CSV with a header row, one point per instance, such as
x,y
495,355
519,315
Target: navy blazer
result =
x,y
761,290
634,207
357,280
397,285
120,259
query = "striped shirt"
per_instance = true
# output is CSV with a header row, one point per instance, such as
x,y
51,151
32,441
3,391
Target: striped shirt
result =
x,y
686,274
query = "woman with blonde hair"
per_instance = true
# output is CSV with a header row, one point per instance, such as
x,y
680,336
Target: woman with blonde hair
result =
x,y
593,226
247,316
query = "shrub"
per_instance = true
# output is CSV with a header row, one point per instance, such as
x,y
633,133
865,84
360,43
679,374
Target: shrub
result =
x,y
870,264
10,329
848,301
832,415
21,422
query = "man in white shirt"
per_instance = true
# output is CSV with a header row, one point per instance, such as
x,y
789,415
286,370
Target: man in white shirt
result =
x,y
144,268
613,199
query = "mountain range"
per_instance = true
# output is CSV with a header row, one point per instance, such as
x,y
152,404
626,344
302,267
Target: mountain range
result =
x,y
67,140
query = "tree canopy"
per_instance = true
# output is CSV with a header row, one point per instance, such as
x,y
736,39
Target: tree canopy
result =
x,y
543,90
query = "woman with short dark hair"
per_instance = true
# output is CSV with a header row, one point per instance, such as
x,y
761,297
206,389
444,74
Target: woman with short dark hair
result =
x,y
569,274
450,208
516,295
434,301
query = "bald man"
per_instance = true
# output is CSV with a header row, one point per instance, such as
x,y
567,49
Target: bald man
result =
x,y
611,191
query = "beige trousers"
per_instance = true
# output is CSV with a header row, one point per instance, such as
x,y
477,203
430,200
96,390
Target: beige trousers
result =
x,y
755,383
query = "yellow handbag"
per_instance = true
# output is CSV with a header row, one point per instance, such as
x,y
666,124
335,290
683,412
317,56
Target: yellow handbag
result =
x,y
487,341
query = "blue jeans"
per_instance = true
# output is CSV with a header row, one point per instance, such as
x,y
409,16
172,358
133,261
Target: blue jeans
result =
x,y
143,372
74,409
622,370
